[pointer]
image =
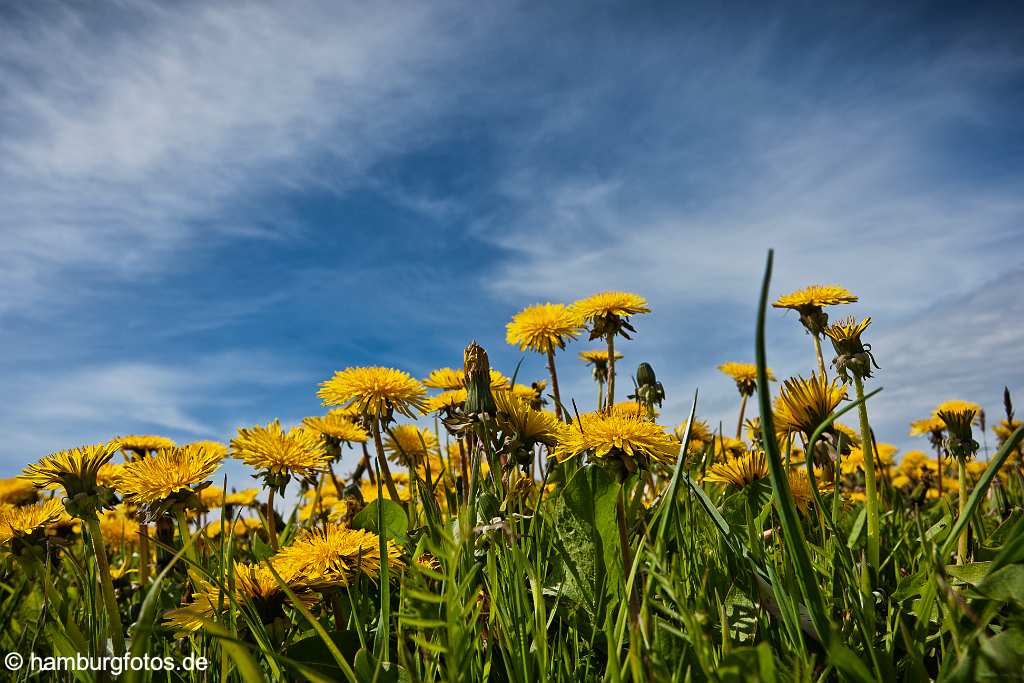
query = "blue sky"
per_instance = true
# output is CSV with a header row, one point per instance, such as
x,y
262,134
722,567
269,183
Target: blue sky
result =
x,y
207,208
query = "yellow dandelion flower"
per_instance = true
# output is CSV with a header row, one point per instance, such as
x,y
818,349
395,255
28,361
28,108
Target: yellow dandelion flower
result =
x,y
700,433
727,446
211,447
253,583
368,490
816,296
543,328
211,497
745,376
801,490
169,472
409,443
118,528
16,491
927,426
244,498
803,404
275,453
884,458
243,526
606,436
610,304
957,406
138,445
528,425
446,400
850,436
75,469
337,427
451,379
631,408
1003,429
740,471
847,330
22,520
375,391
335,555
597,356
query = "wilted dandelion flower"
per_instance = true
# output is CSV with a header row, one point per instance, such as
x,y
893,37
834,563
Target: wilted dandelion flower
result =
x,y
170,477
739,471
613,438
17,521
374,391
410,444
280,455
335,556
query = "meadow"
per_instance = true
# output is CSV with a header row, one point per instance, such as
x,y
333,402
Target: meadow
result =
x,y
495,529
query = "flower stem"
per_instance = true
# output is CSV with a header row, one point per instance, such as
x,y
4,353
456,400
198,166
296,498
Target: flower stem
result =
x,y
554,383
106,585
186,535
961,552
743,409
143,554
611,372
600,395
627,557
870,485
382,462
821,359
271,520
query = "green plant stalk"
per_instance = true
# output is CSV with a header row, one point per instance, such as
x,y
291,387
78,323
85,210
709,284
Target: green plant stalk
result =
x,y
271,521
186,535
600,395
554,383
627,558
611,371
783,497
382,462
106,585
143,554
870,485
817,351
961,552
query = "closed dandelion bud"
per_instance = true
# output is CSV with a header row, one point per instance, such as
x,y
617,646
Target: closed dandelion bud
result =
x,y
477,367
645,375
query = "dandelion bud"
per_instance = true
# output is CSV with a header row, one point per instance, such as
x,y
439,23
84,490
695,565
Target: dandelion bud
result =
x,y
478,381
645,375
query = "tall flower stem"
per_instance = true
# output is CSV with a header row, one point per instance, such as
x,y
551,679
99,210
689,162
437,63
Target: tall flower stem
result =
x,y
271,520
382,462
143,554
554,382
743,409
627,558
611,371
817,351
961,550
870,485
106,585
600,395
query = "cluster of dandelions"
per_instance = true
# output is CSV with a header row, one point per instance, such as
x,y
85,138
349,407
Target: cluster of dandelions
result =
x,y
515,440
